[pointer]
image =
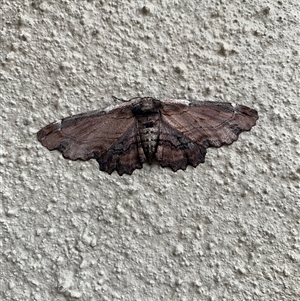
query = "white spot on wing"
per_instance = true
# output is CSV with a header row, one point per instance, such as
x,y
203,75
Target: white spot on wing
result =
x,y
180,101
234,107
108,109
58,122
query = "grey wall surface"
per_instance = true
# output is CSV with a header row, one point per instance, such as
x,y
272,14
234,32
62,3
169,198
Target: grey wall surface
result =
x,y
226,230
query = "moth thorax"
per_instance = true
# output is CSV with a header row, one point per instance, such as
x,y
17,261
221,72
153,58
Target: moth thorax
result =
x,y
149,132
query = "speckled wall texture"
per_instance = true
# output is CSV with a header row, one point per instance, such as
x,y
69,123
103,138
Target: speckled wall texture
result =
x,y
226,230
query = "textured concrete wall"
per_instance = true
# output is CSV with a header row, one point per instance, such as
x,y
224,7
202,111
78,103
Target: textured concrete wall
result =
x,y
226,230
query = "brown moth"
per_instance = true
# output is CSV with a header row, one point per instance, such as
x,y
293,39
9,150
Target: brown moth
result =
x,y
173,132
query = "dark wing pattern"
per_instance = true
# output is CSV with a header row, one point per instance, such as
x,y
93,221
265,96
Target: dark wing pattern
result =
x,y
187,129
109,136
125,155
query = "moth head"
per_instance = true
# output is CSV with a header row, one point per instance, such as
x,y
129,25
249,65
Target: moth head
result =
x,y
147,105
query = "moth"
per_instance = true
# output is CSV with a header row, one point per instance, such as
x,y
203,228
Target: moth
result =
x,y
173,132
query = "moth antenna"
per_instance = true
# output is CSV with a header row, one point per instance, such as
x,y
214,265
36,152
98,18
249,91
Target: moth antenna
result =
x,y
117,98
124,100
